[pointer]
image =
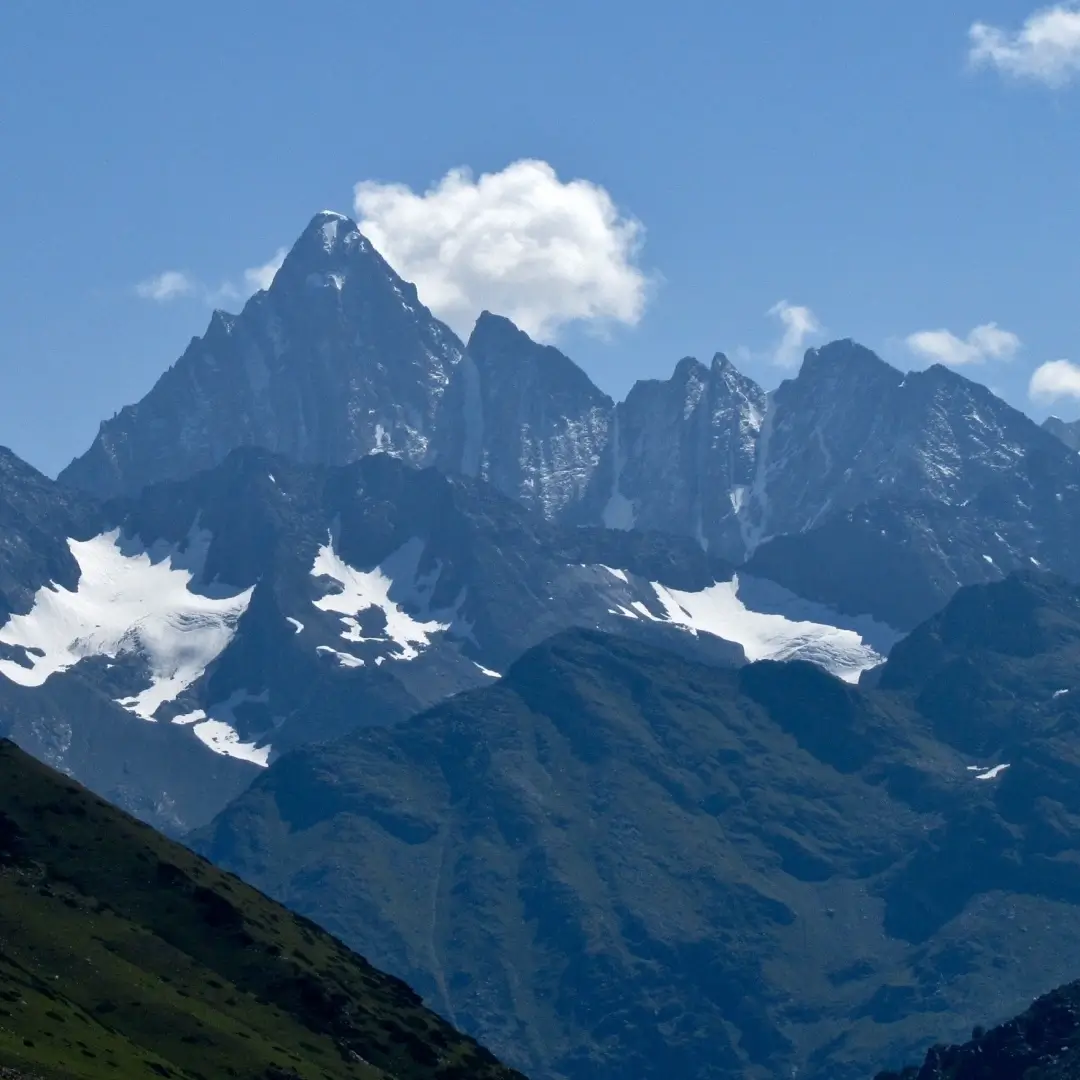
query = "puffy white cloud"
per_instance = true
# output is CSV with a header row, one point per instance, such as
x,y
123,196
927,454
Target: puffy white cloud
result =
x,y
986,342
169,285
520,242
262,277
1045,49
800,324
1054,380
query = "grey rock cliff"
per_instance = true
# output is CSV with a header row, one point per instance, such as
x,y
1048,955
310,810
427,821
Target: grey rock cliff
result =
x,y
336,359
524,417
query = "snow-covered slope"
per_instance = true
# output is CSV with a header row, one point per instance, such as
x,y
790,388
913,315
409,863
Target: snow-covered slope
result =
x,y
727,609
388,608
128,600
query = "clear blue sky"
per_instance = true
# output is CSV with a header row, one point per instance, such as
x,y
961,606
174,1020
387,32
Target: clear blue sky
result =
x,y
838,154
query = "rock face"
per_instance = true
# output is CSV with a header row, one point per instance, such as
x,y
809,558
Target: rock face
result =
x,y
888,497
620,862
682,456
523,417
336,359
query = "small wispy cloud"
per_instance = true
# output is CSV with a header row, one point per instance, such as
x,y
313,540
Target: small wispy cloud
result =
x,y
1053,381
168,285
800,325
986,342
178,285
262,277
1046,48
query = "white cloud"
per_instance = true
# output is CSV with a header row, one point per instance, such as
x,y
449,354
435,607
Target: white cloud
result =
x,y
1045,49
986,342
800,324
1054,380
168,285
174,285
261,277
520,242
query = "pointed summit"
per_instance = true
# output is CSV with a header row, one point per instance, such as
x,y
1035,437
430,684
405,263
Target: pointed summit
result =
x,y
336,359
689,367
333,253
846,358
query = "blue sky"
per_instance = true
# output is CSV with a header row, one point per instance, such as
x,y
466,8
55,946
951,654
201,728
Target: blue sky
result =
x,y
843,157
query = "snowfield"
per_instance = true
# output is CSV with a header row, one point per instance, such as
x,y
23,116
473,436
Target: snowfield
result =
x,y
363,590
129,600
767,621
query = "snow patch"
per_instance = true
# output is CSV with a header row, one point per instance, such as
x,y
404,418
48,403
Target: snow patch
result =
x,y
392,586
486,671
216,728
130,599
993,773
297,625
224,740
1060,693
767,621
343,658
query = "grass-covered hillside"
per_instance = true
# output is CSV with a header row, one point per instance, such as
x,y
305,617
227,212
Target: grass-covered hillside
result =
x,y
123,955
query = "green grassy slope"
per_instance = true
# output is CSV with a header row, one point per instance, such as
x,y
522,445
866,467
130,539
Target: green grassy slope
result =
x,y
124,955
616,863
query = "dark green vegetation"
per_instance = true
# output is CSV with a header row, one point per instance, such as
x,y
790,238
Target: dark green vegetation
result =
x,y
1043,1043
123,955
621,863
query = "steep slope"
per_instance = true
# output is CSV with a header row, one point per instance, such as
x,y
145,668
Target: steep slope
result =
x,y
682,452
887,492
523,417
336,359
620,862
36,517
1043,1043
122,954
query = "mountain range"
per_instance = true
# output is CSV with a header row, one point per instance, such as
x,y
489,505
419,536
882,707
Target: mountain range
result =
x,y
713,732
849,466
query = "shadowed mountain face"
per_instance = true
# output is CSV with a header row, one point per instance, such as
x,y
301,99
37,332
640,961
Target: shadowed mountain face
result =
x,y
125,955
1043,1043
620,862
164,648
